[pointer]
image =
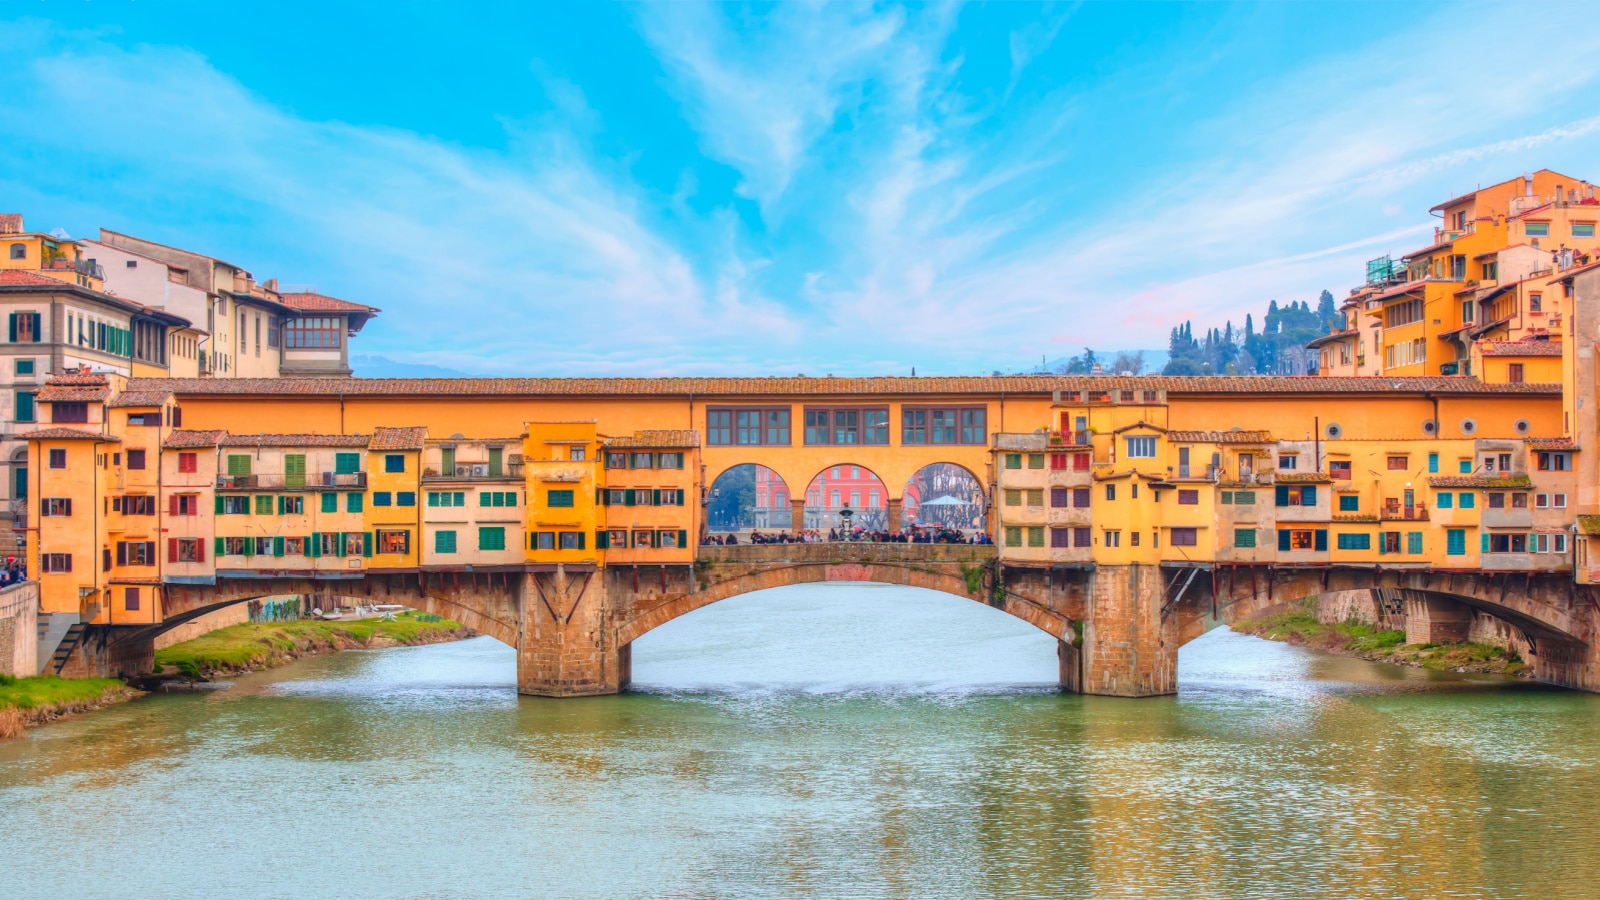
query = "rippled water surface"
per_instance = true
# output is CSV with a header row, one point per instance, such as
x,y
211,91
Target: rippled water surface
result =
x,y
818,741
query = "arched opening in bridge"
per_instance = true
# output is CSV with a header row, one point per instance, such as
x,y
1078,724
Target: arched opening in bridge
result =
x,y
747,497
944,495
847,496
845,636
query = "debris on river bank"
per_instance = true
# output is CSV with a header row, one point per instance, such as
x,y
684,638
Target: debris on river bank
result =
x,y
1298,624
247,648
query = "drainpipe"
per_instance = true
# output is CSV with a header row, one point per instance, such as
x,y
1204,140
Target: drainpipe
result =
x,y
1437,427
1316,443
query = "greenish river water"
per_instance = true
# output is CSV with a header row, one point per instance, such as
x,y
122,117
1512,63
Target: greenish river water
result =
x,y
820,741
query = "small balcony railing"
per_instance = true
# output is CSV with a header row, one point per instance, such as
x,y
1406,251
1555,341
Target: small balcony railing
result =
x,y
1393,510
81,266
311,481
475,470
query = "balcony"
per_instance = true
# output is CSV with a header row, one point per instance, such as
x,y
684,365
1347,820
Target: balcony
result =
x,y
314,481
475,472
81,266
1394,511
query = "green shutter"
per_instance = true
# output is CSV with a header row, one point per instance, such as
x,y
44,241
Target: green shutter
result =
x,y
495,457
602,540
1320,536
366,542
655,497
354,501
330,503
294,470
238,464
1485,536
277,546
460,498
1283,539
1283,497
1414,542
218,548
628,497
1308,496
580,540
347,463
433,498
249,546
483,498
683,538
218,498
14,327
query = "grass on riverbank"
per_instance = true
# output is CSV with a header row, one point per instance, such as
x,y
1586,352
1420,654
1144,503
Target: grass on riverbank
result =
x,y
33,701
1297,624
260,645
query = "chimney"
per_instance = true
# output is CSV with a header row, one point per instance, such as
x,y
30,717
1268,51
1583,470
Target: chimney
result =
x,y
11,223
1527,185
271,284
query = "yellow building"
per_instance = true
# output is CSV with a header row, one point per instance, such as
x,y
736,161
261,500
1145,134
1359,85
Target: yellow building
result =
x,y
650,499
475,512
561,463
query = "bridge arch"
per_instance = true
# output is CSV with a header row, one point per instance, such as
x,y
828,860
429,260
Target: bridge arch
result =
x,y
944,493
748,495
849,485
957,570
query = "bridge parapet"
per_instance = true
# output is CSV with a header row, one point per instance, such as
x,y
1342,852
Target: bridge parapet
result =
x,y
850,551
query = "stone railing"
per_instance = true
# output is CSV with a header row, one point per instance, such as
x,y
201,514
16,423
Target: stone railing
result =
x,y
849,551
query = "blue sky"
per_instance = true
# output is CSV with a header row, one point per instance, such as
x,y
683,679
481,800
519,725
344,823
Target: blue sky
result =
x,y
672,188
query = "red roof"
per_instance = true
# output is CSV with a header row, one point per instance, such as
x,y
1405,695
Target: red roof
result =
x,y
322,303
67,434
18,276
1521,348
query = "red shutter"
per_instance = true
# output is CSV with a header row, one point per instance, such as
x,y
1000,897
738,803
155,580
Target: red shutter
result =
x,y
174,499
1080,462
172,547
200,551
122,553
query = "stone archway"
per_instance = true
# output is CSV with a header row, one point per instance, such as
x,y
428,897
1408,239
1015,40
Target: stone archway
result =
x,y
748,496
847,486
944,494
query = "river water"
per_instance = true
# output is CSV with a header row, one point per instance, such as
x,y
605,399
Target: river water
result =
x,y
817,741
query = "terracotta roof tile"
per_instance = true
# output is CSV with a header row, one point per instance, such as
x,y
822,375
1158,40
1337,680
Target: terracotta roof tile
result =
x,y
67,434
188,440
1589,524
885,385
668,439
1551,443
1480,481
1220,437
80,378
141,398
296,440
1302,478
18,276
313,302
1520,348
60,393
410,437
1354,517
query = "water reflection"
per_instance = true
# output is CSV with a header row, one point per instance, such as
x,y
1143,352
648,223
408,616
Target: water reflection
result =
x,y
821,741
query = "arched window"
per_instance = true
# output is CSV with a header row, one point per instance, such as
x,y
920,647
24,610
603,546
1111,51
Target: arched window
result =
x,y
19,251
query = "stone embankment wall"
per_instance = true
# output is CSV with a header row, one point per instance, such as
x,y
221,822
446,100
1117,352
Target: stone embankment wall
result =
x,y
19,630
237,614
1348,606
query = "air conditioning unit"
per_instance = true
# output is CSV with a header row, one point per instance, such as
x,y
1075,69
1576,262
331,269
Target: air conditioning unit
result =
x,y
328,479
473,470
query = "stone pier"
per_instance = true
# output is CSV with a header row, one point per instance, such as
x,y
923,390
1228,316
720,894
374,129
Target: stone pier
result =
x,y
566,645
1127,650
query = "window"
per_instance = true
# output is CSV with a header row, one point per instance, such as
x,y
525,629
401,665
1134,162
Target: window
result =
x,y
1113,538
1398,463
1559,501
1080,497
19,251
1339,469
184,505
1355,542
561,499
58,459
264,505
1465,467
69,412
185,550
405,498
328,544
394,542
1058,462
1554,461
847,426
347,463
1244,498
719,427
447,498
1497,500
1013,497
24,407
1288,462
313,333
330,503
1296,496
497,498
1060,538
55,506
1060,497
55,562
1188,497
616,460
139,505
1036,536
1244,537
1036,496
382,498
641,460
1185,537
136,553
1414,542
394,462
1514,373
1583,229
25,328
669,460
1035,460
233,505
1349,503
1443,500
444,542
943,426
1082,537
1013,460
1536,229
1296,539
1468,500
354,502
1141,448
571,540
1111,492
1560,543
1013,536
1403,312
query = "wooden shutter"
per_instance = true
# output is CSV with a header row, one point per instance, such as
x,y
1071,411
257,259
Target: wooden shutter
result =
x,y
13,321
199,550
172,550
627,497
1283,539
1308,496
277,545
683,538
219,548
173,504
122,553
656,497
1320,536
366,543
1282,495
602,540
218,498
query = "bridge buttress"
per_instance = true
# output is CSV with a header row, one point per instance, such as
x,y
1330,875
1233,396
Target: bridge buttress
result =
x,y
1129,646
566,641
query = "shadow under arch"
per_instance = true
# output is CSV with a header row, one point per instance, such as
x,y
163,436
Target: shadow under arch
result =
x,y
847,486
746,496
945,494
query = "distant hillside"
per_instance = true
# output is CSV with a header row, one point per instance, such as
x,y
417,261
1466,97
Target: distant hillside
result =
x,y
1140,362
384,367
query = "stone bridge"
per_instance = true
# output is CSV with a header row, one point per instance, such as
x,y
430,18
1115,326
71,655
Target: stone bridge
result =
x,y
1118,627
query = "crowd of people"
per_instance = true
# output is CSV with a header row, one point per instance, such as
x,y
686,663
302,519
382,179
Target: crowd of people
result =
x,y
915,534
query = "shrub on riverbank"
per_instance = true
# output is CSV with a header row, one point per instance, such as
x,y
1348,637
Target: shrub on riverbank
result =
x,y
25,702
1297,623
261,645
